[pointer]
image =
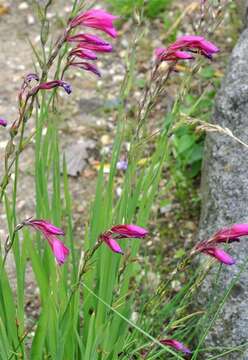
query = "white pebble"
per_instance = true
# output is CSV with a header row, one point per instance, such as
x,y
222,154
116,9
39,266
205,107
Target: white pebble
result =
x,y
23,6
30,19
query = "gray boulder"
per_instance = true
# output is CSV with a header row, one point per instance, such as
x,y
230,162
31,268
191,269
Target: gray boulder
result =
x,y
225,196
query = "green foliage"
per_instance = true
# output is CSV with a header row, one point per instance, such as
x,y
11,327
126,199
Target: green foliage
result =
x,y
152,8
188,146
188,149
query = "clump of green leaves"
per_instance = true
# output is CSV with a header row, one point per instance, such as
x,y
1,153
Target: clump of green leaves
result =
x,y
188,145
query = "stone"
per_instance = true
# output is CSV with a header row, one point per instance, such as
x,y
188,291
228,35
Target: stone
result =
x,y
23,6
76,156
225,197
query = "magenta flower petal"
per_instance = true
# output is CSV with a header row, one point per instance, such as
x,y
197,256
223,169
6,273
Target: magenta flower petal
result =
x,y
53,84
91,42
96,19
166,54
177,345
218,254
187,43
111,243
87,67
130,230
83,54
87,38
111,236
3,122
231,234
44,225
60,251
96,47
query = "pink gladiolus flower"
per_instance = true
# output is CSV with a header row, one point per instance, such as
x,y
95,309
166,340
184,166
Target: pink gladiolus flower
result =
x,y
43,225
225,235
177,345
95,47
83,54
96,19
231,234
218,254
87,38
87,67
91,42
164,54
50,231
53,84
187,43
122,232
129,231
3,122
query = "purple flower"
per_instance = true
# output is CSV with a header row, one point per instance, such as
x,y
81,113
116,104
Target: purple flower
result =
x,y
3,122
96,19
50,233
218,254
187,43
129,231
177,345
31,77
122,232
53,84
122,165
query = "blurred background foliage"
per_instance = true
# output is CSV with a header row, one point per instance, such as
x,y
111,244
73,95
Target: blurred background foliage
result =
x,y
152,8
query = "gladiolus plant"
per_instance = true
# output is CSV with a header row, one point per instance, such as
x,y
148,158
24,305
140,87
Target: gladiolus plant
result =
x,y
89,302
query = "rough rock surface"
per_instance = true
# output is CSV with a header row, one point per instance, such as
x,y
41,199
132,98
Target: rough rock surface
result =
x,y
225,195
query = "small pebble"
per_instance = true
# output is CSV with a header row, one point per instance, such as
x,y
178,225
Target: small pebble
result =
x,y
50,15
105,139
30,19
23,6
